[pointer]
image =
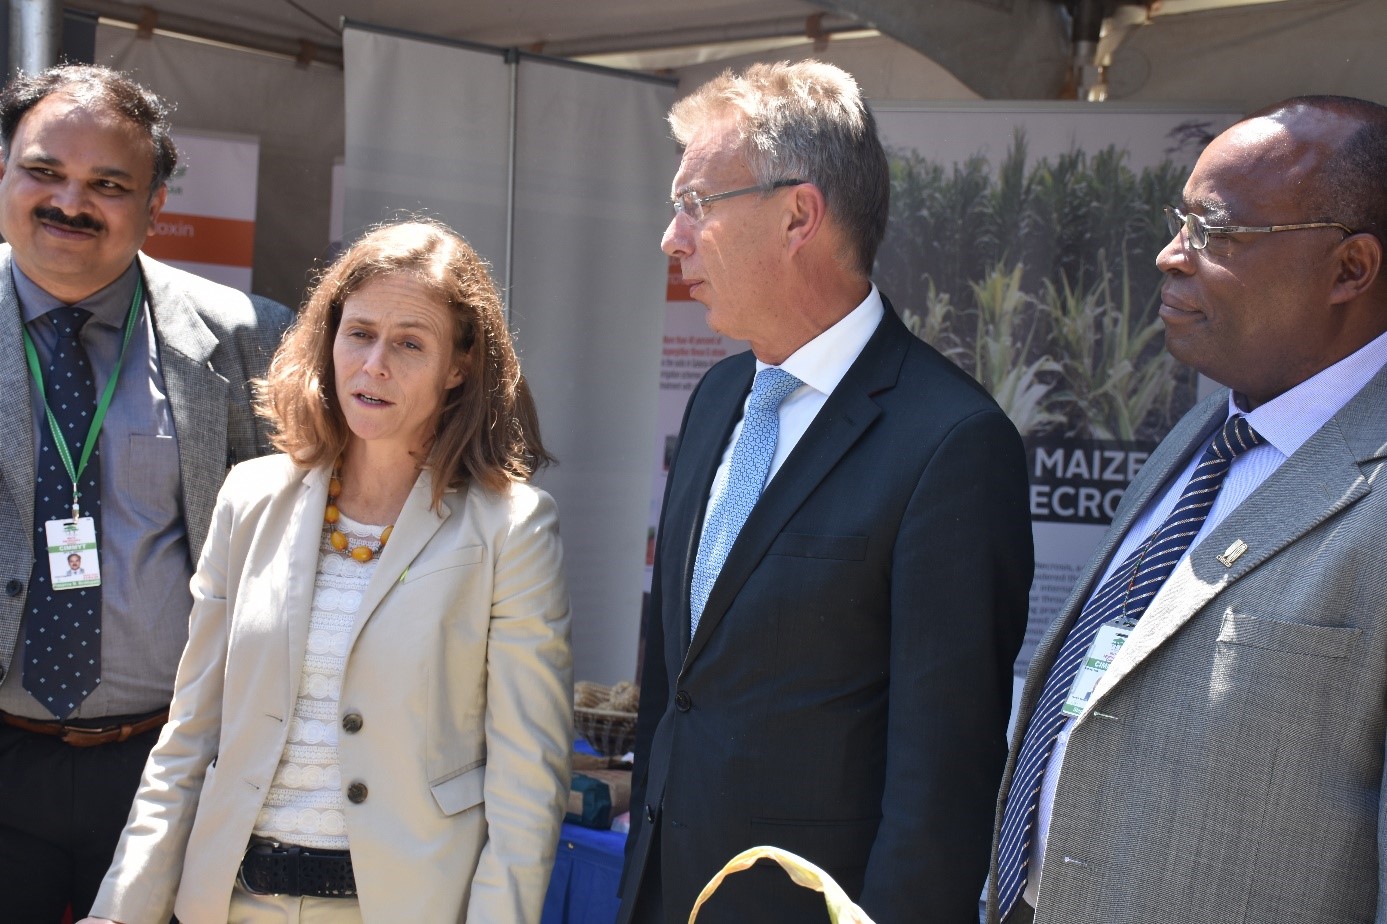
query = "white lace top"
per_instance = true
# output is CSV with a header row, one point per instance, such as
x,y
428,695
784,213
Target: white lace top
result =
x,y
304,803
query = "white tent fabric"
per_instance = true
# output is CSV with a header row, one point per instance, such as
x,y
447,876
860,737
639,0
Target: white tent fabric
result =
x,y
427,132
295,112
594,168
1257,56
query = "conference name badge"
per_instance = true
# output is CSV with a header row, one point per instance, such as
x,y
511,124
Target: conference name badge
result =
x,y
1106,644
72,555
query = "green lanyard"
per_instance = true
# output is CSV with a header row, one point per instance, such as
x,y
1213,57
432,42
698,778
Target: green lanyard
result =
x,y
75,473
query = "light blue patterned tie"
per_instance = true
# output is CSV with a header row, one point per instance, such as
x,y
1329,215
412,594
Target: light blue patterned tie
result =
x,y
1130,589
746,476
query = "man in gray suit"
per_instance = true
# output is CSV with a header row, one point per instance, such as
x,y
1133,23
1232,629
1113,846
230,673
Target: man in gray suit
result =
x,y
1201,735
146,367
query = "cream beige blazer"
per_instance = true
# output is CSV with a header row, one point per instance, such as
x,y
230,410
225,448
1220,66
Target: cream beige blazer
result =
x,y
458,664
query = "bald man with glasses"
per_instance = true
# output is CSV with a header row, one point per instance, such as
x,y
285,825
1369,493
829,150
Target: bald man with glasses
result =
x,y
1201,736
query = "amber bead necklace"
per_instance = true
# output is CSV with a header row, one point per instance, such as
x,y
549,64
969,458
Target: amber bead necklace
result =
x,y
331,515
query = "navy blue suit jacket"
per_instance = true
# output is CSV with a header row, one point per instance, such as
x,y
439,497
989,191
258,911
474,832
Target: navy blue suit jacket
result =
x,y
847,693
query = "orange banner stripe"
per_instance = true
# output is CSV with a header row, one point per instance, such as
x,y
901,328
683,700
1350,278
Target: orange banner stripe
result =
x,y
199,239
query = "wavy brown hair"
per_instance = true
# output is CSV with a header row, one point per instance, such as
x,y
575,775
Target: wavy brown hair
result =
x,y
488,430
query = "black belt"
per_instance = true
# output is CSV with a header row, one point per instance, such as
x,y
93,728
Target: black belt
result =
x,y
281,869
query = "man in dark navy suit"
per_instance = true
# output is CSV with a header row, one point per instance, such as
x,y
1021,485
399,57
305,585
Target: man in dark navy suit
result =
x,y
844,554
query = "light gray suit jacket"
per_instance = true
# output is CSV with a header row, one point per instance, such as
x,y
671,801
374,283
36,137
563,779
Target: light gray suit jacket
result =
x,y
1229,766
212,340
458,665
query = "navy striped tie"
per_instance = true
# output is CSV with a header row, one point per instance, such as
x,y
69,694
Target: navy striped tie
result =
x,y
1126,593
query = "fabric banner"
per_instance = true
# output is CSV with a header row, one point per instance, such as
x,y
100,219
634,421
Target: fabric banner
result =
x,y
1022,245
429,129
207,225
427,132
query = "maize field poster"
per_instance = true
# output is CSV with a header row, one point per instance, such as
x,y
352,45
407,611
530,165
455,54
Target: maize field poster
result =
x,y
1021,244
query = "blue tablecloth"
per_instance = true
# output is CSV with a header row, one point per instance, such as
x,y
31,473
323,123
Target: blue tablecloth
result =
x,y
587,870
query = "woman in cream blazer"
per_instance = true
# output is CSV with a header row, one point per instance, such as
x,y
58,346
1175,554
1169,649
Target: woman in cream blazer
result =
x,y
453,722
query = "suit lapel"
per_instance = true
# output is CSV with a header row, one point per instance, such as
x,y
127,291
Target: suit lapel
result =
x,y
840,423
197,398
297,574
1169,459
701,448
417,524
16,414
1324,477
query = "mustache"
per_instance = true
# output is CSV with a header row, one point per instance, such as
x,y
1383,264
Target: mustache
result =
x,y
79,222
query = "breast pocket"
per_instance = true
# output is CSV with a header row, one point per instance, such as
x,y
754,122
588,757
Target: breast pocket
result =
x,y
150,480
1273,676
833,548
445,561
1269,634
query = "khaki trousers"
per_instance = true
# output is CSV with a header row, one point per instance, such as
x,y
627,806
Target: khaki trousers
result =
x,y
249,908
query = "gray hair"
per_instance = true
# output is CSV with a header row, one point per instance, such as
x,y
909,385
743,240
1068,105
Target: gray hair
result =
x,y
803,121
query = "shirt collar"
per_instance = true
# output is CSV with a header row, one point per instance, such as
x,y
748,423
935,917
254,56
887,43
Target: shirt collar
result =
x,y
1291,418
110,305
822,362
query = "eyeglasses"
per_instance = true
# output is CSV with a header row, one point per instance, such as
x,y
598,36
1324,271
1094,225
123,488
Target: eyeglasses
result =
x,y
693,205
1197,230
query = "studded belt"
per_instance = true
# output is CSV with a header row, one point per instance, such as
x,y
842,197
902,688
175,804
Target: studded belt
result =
x,y
283,869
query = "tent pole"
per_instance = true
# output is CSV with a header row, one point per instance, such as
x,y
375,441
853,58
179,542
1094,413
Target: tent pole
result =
x,y
513,62
1088,77
36,30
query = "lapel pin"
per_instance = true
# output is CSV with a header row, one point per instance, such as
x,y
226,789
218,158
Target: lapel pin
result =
x,y
1233,553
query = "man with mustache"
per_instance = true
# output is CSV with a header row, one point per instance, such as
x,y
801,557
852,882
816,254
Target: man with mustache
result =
x,y
1201,736
125,399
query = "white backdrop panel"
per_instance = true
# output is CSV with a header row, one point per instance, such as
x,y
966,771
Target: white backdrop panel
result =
x,y
427,129
295,112
595,161
427,132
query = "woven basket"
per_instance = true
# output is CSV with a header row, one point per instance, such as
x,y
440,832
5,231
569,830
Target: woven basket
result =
x,y
611,734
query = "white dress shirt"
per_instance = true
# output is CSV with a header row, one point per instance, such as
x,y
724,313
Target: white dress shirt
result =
x,y
1285,423
820,364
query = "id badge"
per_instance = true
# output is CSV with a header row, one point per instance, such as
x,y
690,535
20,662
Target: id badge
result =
x,y
72,556
1105,647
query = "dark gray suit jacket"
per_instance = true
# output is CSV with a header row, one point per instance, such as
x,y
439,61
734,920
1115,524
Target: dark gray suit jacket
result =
x,y
1228,768
212,340
847,692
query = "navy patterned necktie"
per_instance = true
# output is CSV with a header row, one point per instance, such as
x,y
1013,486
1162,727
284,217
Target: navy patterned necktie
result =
x,y
1126,593
746,476
62,634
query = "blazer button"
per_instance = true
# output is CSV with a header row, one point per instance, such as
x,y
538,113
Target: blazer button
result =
x,y
14,587
352,722
683,701
650,814
356,793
